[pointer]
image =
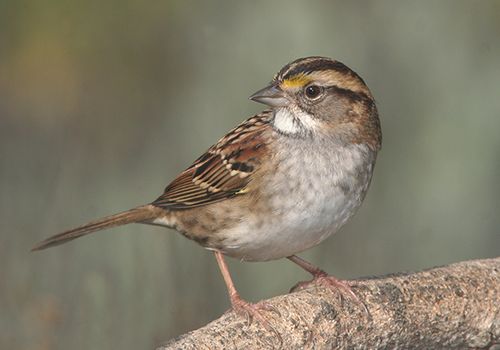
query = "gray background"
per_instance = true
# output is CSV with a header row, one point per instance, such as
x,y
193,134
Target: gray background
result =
x,y
102,103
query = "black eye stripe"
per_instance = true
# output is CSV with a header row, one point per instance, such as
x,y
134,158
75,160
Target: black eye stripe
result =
x,y
349,94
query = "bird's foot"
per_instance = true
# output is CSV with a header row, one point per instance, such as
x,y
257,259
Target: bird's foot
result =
x,y
336,285
251,311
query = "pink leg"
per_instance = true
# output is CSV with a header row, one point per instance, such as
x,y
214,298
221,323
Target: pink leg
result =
x,y
239,305
322,278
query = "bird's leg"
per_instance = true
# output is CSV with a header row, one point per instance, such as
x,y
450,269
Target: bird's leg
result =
x,y
239,305
322,278
306,265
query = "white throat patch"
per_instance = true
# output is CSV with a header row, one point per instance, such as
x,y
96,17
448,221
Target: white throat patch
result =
x,y
293,122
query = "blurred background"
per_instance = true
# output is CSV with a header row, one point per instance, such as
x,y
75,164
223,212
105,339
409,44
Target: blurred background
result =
x,y
102,103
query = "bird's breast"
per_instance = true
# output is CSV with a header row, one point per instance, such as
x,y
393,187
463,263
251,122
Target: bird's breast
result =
x,y
310,196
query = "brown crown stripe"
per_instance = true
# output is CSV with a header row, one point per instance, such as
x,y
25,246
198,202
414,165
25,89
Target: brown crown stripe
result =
x,y
315,64
351,95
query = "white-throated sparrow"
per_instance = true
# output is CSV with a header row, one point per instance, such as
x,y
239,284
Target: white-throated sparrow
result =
x,y
280,182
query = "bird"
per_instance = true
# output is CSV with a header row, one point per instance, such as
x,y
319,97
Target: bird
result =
x,y
280,182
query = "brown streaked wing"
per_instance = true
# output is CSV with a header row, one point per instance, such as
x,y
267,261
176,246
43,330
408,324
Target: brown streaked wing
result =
x,y
223,171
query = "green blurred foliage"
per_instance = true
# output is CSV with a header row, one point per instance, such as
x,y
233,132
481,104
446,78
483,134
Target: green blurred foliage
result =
x,y
102,103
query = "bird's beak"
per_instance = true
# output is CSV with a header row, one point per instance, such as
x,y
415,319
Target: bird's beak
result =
x,y
271,95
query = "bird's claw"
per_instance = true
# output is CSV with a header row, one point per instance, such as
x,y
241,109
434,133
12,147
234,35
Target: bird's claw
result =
x,y
254,312
332,283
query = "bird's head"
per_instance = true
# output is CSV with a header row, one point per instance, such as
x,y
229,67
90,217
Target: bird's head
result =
x,y
317,95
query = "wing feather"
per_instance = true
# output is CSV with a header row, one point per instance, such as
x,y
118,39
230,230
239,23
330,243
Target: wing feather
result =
x,y
224,170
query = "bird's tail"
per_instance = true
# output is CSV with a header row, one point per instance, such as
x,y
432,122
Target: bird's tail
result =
x,y
140,214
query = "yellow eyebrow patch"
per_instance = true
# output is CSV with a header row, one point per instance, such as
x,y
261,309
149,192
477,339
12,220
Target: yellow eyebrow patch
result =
x,y
295,81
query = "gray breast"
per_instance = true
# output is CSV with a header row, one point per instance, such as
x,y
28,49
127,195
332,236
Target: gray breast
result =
x,y
315,190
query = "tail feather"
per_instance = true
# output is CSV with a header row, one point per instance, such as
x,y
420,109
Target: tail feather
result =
x,y
139,214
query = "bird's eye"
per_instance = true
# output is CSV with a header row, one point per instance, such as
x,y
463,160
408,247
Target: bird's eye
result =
x,y
313,91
